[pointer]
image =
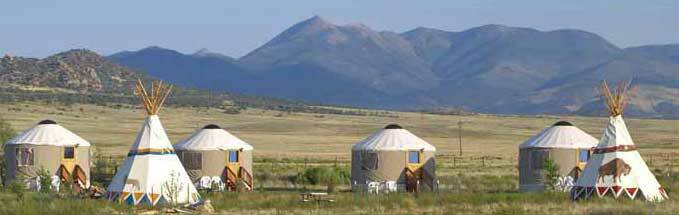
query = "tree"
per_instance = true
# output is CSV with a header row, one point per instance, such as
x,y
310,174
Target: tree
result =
x,y
172,187
551,173
6,131
45,180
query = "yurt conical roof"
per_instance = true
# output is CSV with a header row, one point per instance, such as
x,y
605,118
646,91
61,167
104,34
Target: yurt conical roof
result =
x,y
393,138
616,167
48,132
152,172
212,137
561,135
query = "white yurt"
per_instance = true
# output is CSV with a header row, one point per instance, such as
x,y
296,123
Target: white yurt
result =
x,y
152,173
616,167
213,156
563,143
50,147
393,159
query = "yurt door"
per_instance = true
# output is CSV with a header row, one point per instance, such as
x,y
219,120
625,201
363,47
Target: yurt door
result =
x,y
414,160
233,160
68,158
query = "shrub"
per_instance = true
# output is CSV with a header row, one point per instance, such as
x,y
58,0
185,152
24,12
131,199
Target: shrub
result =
x,y
6,131
330,176
45,180
551,173
17,187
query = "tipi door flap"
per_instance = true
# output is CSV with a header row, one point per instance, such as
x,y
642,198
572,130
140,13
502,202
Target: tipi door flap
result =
x,y
414,163
233,158
69,157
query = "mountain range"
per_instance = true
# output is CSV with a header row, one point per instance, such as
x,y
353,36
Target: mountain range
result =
x,y
490,69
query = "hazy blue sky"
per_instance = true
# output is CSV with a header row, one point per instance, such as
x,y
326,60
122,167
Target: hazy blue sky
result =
x,y
33,28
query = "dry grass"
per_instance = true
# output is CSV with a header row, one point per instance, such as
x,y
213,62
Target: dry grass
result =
x,y
279,135
483,181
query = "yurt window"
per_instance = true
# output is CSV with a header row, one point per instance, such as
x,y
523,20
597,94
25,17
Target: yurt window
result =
x,y
369,161
413,157
192,160
24,156
233,156
537,158
583,155
69,152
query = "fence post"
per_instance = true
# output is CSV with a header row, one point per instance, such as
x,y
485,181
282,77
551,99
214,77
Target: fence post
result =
x,y
454,162
483,161
669,165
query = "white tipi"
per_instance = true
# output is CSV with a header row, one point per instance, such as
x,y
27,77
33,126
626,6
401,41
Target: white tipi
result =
x,y
616,167
152,172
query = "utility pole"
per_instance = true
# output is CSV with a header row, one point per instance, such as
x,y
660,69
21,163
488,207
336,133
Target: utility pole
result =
x,y
459,133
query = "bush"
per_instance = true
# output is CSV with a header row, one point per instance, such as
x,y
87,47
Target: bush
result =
x,y
17,187
6,131
551,171
330,176
45,180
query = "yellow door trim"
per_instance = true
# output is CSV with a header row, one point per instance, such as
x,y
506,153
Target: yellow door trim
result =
x,y
414,166
234,166
69,163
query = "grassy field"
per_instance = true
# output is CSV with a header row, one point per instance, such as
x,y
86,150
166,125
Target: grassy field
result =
x,y
484,179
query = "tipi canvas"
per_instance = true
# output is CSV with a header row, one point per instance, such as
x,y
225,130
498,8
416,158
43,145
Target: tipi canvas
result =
x,y
616,167
152,172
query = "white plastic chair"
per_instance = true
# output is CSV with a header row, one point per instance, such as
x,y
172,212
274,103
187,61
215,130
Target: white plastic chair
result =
x,y
565,184
34,184
390,186
204,182
56,183
373,187
217,182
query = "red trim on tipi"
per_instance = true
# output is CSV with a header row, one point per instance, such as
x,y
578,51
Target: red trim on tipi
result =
x,y
616,190
662,192
601,191
631,192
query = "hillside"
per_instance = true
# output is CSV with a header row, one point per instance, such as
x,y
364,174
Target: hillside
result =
x,y
78,70
83,76
492,68
200,70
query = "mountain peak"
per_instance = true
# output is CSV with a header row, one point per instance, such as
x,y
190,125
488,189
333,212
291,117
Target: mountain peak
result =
x,y
204,52
315,23
425,30
155,48
77,54
159,50
315,19
502,28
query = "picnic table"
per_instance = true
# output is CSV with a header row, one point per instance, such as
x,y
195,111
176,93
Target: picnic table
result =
x,y
316,196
